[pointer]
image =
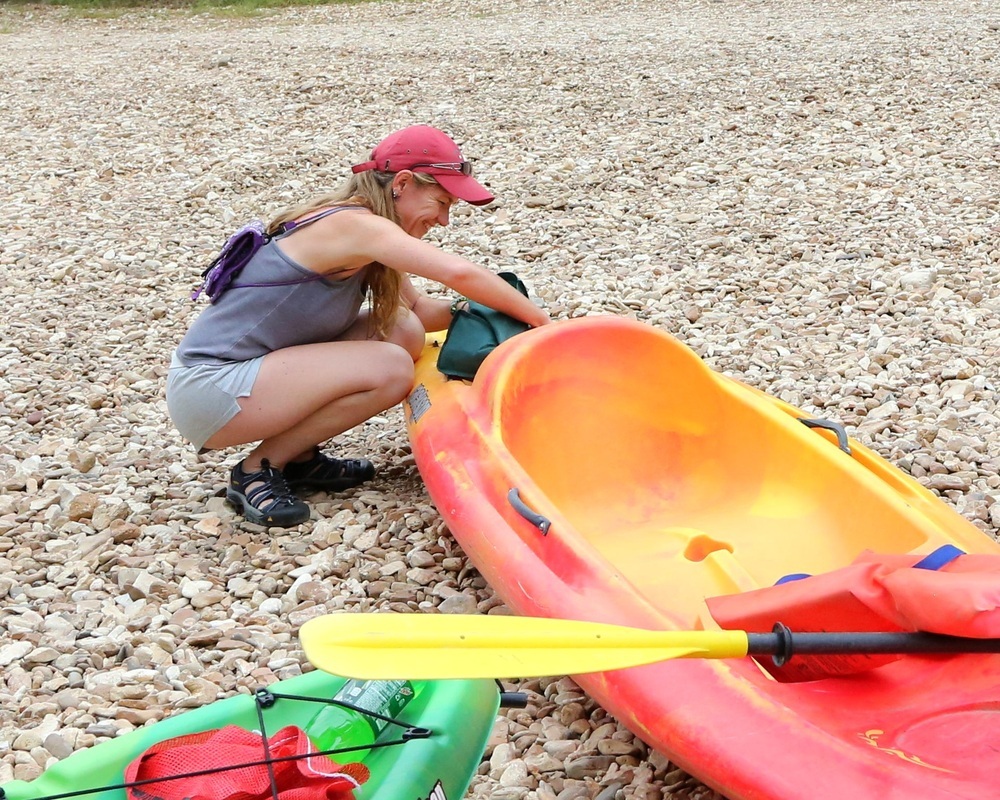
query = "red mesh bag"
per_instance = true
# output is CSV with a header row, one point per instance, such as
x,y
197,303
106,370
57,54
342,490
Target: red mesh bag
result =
x,y
313,778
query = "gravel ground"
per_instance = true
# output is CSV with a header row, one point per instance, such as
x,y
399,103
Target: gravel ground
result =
x,y
805,193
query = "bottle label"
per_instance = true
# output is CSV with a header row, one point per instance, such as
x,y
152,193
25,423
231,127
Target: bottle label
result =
x,y
381,697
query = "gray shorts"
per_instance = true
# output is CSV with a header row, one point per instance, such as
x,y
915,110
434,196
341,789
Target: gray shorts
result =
x,y
201,399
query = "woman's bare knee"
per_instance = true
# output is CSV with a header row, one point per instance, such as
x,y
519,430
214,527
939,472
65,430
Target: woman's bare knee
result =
x,y
398,373
408,333
414,344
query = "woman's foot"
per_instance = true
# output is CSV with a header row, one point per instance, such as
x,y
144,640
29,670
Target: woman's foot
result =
x,y
264,497
331,474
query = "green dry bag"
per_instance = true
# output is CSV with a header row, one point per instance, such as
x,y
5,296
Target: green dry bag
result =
x,y
475,331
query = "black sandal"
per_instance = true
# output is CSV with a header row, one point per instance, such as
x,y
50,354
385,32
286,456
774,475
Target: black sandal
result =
x,y
264,498
332,474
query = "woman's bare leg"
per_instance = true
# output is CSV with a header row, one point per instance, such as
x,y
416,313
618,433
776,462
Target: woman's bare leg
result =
x,y
307,394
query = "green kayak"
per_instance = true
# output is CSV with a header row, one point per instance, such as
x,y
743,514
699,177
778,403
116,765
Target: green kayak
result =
x,y
441,735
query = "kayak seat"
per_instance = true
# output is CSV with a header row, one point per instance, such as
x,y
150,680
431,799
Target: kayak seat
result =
x,y
700,546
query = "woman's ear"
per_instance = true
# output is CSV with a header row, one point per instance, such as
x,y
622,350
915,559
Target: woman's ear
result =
x,y
400,181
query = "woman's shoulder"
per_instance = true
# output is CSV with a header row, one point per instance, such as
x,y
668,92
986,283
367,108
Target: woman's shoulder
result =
x,y
338,244
359,227
327,213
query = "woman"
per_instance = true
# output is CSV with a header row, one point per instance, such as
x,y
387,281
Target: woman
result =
x,y
288,357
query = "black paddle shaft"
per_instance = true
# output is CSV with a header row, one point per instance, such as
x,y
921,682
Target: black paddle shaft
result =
x,y
783,643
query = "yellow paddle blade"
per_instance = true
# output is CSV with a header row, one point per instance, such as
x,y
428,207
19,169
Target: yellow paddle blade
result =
x,y
436,646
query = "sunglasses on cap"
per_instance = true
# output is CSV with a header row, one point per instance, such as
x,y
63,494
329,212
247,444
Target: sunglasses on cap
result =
x,y
464,167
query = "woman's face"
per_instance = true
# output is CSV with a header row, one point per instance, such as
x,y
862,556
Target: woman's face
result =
x,y
420,207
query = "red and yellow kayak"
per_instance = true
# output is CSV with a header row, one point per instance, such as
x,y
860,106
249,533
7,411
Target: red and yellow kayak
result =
x,y
597,469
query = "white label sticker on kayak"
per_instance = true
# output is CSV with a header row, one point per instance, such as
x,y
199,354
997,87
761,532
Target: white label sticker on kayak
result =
x,y
437,793
419,403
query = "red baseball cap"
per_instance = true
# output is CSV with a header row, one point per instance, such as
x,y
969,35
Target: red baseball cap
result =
x,y
421,148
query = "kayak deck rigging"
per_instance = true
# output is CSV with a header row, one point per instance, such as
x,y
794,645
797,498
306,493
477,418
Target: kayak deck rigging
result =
x,y
263,699
445,727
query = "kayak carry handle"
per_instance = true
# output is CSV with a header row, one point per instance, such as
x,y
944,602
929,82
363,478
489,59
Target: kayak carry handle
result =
x,y
830,425
542,523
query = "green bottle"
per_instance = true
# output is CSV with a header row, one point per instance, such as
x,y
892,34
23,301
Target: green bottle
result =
x,y
335,727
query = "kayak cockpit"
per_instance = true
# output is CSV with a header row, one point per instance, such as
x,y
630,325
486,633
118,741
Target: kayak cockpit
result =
x,y
675,474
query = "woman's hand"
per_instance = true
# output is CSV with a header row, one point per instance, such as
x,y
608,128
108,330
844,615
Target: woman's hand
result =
x,y
543,319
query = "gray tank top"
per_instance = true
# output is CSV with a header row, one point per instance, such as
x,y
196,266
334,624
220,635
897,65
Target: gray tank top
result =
x,y
253,321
